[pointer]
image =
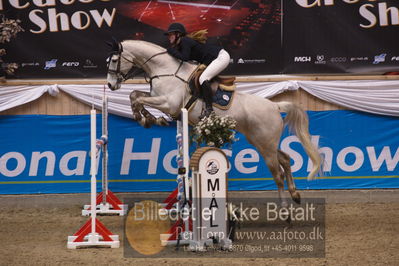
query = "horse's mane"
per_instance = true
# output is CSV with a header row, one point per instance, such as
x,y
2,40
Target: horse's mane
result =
x,y
153,45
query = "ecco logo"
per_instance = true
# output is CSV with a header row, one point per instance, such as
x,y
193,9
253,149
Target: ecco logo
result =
x,y
338,59
302,58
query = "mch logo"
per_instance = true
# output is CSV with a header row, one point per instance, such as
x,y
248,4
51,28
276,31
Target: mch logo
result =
x,y
302,59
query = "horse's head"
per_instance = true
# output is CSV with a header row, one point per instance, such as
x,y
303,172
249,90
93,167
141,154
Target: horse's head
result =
x,y
120,65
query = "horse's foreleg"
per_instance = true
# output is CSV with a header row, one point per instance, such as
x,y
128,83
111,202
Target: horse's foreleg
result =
x,y
148,119
157,102
284,160
135,105
138,99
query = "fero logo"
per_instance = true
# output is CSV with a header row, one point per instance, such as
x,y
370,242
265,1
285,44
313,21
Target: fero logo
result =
x,y
302,59
70,64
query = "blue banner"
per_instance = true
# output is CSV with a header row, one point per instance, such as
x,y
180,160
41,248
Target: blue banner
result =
x,y
50,154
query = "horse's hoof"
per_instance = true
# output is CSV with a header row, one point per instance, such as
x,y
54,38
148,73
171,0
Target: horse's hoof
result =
x,y
136,116
296,197
146,123
162,122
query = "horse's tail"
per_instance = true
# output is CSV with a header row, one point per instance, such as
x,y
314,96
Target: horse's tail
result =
x,y
298,123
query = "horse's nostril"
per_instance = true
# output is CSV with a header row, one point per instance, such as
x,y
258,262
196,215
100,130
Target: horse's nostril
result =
x,y
109,85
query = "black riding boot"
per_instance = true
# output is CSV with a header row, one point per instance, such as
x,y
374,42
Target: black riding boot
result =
x,y
207,96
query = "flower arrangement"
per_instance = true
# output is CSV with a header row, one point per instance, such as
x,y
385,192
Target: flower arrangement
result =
x,y
214,131
9,29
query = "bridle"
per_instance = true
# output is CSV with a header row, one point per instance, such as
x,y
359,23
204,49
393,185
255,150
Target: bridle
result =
x,y
120,77
134,71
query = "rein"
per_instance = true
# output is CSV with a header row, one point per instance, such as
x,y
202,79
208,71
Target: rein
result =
x,y
169,75
135,71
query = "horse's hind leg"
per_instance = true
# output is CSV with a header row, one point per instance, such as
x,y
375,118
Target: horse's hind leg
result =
x,y
273,164
284,160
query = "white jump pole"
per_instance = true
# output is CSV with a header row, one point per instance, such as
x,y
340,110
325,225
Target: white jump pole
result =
x,y
107,202
105,149
186,146
186,161
203,195
183,183
93,168
93,233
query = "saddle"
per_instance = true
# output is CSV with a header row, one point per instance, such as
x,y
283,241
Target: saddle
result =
x,y
224,93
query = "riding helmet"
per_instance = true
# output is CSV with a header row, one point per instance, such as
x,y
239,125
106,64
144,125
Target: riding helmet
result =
x,y
176,27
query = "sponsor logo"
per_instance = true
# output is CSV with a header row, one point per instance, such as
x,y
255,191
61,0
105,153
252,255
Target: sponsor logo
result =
x,y
379,59
50,64
302,59
89,64
70,64
338,60
395,58
364,58
251,61
212,167
30,64
320,60
231,61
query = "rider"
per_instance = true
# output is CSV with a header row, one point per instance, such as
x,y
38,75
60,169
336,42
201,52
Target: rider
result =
x,y
193,47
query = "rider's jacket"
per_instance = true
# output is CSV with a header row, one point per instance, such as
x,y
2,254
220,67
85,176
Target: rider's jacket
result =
x,y
189,49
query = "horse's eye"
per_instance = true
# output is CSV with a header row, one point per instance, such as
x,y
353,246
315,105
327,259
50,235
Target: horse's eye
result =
x,y
114,60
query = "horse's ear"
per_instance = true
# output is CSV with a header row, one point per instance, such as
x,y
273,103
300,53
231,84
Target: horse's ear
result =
x,y
115,46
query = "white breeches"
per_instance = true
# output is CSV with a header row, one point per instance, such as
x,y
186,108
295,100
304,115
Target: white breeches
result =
x,y
216,66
